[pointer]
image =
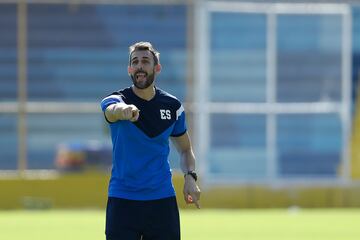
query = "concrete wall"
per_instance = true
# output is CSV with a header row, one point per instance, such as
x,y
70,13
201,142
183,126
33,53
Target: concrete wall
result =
x,y
89,190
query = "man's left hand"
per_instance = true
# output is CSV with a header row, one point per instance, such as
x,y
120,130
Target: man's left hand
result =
x,y
191,191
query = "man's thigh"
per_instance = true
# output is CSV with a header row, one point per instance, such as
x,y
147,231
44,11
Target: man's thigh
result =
x,y
126,234
162,220
123,220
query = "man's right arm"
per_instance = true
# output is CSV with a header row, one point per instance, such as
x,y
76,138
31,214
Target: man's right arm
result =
x,y
122,111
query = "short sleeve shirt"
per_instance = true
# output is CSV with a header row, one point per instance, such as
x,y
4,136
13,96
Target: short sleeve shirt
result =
x,y
141,169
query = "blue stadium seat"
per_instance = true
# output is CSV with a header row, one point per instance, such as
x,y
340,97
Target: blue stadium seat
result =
x,y
311,164
80,53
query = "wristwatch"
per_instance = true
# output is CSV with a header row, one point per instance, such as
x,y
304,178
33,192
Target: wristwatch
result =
x,y
193,174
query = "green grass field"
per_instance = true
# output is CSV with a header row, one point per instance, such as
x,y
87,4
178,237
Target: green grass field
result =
x,y
337,224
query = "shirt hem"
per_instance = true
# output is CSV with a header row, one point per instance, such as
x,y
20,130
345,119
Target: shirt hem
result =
x,y
141,198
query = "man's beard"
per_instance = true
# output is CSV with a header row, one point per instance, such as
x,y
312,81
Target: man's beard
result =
x,y
149,79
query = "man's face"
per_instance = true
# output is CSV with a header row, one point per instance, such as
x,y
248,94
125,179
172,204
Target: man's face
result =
x,y
142,69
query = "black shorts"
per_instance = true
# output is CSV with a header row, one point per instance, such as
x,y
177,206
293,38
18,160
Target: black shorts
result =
x,y
145,220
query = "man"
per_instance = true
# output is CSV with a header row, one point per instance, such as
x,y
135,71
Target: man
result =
x,y
142,118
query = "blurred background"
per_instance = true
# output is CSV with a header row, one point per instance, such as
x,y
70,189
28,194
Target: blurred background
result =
x,y
269,87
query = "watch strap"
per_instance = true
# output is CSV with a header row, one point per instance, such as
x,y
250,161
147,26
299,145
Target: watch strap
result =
x,y
192,174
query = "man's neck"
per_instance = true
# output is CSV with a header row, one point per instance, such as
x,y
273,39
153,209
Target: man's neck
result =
x,y
146,94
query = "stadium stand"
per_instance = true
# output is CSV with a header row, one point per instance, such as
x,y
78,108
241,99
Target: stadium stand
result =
x,y
8,86
78,53
8,72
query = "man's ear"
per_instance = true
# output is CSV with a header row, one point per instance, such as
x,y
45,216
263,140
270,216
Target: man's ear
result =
x,y
157,68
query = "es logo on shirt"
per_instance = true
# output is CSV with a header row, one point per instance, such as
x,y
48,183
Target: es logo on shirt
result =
x,y
165,114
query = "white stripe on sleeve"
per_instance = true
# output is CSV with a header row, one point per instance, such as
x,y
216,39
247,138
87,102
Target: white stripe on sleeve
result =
x,y
179,112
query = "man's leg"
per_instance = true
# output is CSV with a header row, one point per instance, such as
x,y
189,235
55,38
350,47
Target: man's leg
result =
x,y
123,220
125,235
162,220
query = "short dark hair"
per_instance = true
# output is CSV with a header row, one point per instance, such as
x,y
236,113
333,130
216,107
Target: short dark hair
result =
x,y
143,46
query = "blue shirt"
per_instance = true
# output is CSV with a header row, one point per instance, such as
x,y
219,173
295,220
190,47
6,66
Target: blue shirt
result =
x,y
141,169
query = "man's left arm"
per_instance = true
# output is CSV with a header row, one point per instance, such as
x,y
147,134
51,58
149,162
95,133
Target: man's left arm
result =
x,y
187,162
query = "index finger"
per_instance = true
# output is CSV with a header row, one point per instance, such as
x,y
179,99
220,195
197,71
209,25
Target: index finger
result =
x,y
134,108
135,116
197,204
196,201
